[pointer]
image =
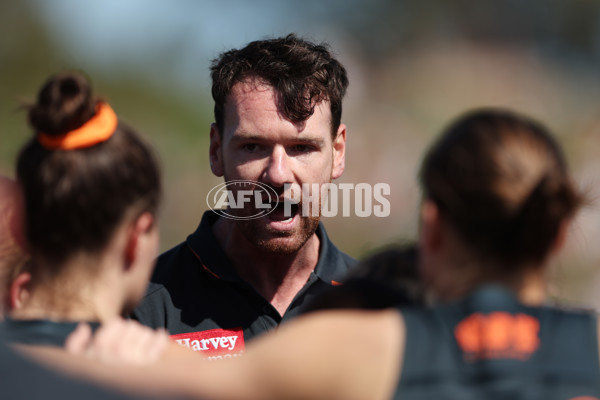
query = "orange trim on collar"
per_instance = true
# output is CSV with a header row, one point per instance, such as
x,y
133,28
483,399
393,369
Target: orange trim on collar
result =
x,y
97,129
204,266
336,283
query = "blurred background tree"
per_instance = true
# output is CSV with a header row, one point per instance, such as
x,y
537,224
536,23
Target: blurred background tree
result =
x,y
413,66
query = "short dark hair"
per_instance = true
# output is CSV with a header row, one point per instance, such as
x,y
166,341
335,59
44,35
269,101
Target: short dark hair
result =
x,y
75,199
302,73
501,180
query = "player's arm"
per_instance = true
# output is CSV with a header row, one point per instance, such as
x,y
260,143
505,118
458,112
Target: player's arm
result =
x,y
325,355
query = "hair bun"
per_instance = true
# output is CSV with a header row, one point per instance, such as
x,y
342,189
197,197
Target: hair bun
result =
x,y
553,200
64,103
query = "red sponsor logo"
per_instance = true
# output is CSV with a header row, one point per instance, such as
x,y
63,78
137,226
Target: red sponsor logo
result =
x,y
214,343
584,398
498,335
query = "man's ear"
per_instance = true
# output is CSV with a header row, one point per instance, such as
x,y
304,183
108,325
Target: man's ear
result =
x,y
216,151
339,152
431,226
19,291
142,225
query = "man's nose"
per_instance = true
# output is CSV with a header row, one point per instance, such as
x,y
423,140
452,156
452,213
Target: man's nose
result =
x,y
279,169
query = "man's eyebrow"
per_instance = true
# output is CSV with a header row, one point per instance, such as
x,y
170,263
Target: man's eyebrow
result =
x,y
244,136
314,140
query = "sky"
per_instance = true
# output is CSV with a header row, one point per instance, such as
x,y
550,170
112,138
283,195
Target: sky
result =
x,y
137,34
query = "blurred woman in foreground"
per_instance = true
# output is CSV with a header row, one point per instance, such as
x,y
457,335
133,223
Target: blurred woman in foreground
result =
x,y
497,202
91,189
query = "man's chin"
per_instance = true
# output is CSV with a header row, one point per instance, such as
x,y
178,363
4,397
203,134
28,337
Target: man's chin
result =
x,y
279,246
274,242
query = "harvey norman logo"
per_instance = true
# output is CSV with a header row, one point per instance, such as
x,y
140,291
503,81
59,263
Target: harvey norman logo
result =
x,y
214,343
245,200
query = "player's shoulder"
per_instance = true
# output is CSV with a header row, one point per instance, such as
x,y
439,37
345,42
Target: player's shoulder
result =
x,y
570,320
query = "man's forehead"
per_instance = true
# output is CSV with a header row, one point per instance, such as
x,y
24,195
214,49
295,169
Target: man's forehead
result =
x,y
251,95
252,107
255,88
251,84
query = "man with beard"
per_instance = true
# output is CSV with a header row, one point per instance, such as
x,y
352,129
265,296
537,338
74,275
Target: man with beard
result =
x,y
278,106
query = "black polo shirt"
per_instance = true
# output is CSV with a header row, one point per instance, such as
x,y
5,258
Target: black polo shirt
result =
x,y
198,297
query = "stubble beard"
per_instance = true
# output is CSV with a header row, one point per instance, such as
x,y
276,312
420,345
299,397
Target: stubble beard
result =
x,y
271,241
276,242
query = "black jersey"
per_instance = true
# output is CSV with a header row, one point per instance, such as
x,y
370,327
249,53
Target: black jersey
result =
x,y
490,346
40,331
197,296
21,378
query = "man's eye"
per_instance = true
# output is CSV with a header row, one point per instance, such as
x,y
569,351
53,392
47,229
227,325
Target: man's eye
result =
x,y
302,148
250,147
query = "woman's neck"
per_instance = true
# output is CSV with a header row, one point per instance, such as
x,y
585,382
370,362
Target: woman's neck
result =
x,y
533,289
84,290
528,283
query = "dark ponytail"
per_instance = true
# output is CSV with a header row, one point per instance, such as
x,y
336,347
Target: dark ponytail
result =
x,y
501,180
75,199
536,224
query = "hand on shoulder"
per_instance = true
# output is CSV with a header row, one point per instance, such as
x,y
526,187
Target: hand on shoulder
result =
x,y
122,341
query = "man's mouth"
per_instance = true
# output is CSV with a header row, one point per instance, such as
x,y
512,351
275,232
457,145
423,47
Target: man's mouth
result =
x,y
281,213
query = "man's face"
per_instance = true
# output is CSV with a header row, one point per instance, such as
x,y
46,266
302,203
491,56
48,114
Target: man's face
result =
x,y
259,144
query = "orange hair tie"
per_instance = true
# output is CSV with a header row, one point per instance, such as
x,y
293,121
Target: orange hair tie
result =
x,y
97,129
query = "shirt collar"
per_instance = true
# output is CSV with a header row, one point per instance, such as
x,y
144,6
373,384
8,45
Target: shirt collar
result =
x,y
206,248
